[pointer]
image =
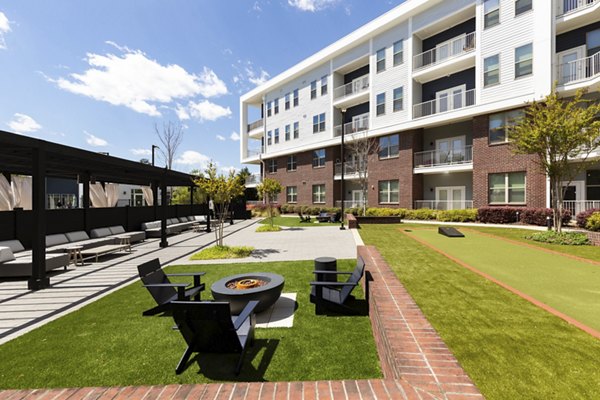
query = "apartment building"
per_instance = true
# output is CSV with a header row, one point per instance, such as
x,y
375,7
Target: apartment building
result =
x,y
434,85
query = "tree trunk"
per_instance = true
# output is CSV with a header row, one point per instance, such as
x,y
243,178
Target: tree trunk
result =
x,y
557,205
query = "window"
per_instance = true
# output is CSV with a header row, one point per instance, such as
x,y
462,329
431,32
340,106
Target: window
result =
x,y
269,108
381,60
291,163
491,71
319,123
507,188
296,130
291,194
389,146
500,125
388,192
287,101
272,166
296,98
524,60
318,193
398,52
491,13
380,104
319,158
324,85
276,135
592,184
270,138
522,6
593,43
287,133
398,99
276,101
313,90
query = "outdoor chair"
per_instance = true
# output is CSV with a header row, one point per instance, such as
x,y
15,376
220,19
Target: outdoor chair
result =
x,y
334,295
163,291
303,218
209,327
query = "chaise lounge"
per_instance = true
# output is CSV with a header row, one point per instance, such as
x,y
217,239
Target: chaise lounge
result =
x,y
15,261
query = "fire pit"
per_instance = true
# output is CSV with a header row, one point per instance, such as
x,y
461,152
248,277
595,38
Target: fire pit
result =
x,y
238,290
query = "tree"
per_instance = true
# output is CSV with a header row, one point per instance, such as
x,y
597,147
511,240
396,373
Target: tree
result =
x,y
181,195
359,148
244,173
222,190
268,190
562,133
170,138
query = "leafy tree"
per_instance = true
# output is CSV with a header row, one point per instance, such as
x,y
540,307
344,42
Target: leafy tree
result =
x,y
222,190
268,190
558,131
181,195
244,173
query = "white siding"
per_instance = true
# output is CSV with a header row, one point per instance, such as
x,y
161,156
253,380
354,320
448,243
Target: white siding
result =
x,y
351,55
438,13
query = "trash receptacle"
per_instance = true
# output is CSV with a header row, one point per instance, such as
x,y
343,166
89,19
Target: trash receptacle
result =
x,y
326,264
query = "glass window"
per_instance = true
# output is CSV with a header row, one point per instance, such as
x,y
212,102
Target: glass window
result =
x,y
287,101
296,130
269,108
324,85
592,182
398,52
291,163
491,13
388,192
389,146
296,98
313,90
398,99
524,60
380,104
491,71
381,60
272,166
322,122
508,188
291,194
318,158
499,125
276,135
287,132
269,138
593,42
276,102
315,124
318,193
522,6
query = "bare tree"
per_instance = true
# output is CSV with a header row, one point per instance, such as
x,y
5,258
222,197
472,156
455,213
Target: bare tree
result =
x,y
170,138
358,148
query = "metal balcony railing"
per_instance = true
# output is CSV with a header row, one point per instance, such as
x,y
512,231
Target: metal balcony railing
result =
x,y
254,125
350,168
254,152
444,104
570,6
350,203
579,70
435,158
445,51
253,179
352,127
358,85
444,204
577,206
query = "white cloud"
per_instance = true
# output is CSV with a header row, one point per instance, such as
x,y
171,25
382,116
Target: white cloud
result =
x,y
248,76
258,78
221,138
207,111
234,136
194,159
94,140
141,152
4,28
227,170
312,5
22,123
133,80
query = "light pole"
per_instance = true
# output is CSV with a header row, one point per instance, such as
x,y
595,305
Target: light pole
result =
x,y
153,148
342,181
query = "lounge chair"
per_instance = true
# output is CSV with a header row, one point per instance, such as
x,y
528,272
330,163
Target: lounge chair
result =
x,y
15,261
163,291
209,327
334,295
303,218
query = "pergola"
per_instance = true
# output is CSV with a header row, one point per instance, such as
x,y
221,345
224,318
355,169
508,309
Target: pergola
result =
x,y
41,159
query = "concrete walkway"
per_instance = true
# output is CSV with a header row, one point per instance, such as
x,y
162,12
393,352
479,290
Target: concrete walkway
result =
x,y
22,310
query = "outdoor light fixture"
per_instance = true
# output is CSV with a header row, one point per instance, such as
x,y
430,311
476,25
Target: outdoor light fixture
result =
x,y
154,147
342,181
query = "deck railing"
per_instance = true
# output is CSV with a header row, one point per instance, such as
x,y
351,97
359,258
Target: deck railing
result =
x,y
253,179
350,168
435,158
445,51
579,70
441,105
352,127
577,206
566,7
350,203
256,124
444,204
357,86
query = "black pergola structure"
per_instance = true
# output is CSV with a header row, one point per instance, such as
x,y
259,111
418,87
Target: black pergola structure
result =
x,y
41,159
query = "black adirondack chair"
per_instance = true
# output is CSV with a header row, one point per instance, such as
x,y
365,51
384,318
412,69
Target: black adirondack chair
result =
x,y
333,296
209,327
163,291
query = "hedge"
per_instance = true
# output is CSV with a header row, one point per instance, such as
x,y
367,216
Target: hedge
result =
x,y
582,217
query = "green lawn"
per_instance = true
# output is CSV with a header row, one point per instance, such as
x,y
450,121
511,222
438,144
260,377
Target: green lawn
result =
x,y
294,222
109,343
509,347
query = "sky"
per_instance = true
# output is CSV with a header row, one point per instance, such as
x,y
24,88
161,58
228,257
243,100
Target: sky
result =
x,y
103,75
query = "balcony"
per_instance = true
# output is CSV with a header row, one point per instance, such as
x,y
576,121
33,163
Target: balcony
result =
x,y
444,204
445,59
572,14
581,70
435,161
577,206
353,93
351,204
254,153
445,104
566,7
352,170
255,128
352,127
253,180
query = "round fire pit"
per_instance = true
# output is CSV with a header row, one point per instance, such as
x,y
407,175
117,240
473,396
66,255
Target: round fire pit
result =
x,y
238,290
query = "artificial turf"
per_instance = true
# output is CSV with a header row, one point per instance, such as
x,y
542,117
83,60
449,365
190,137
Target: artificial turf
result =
x,y
109,343
509,347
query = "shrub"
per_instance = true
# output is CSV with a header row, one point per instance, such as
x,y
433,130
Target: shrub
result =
x,y
268,228
261,210
421,214
498,215
386,212
593,222
469,215
538,216
564,238
583,216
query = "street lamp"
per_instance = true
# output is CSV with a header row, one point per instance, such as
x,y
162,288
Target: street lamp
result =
x,y
342,181
154,147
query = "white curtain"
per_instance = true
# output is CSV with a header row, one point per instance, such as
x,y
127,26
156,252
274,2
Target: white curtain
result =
x,y
6,195
112,194
97,195
147,192
22,191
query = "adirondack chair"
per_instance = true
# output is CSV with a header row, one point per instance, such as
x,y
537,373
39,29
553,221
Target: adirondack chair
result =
x,y
334,295
209,327
161,288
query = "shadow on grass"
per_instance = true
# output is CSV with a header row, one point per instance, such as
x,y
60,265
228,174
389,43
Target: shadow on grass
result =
x,y
352,308
263,253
